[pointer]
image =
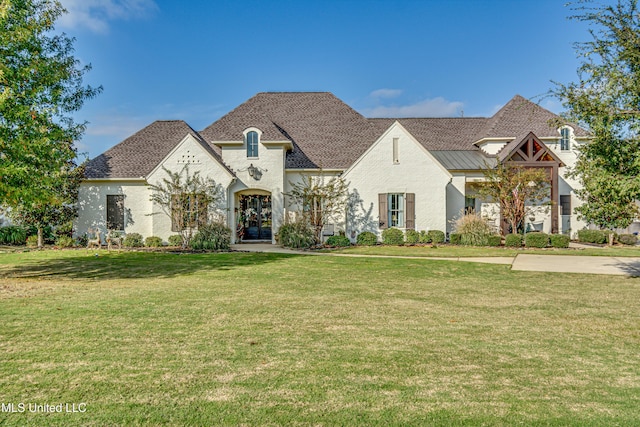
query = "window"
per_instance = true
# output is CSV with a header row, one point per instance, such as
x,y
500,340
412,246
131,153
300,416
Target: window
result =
x,y
188,211
396,159
396,210
115,212
252,144
565,139
469,204
565,204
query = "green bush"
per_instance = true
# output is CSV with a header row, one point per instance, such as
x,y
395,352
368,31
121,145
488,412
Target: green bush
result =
x,y
559,240
133,240
628,239
367,238
536,240
436,236
592,236
338,241
393,236
175,240
513,240
494,240
455,238
13,235
412,237
297,234
32,241
212,237
153,242
424,237
65,242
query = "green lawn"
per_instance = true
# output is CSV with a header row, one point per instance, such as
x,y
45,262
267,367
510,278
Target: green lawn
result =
x,y
271,339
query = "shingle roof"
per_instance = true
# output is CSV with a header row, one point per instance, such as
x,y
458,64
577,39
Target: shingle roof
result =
x,y
325,131
140,153
520,116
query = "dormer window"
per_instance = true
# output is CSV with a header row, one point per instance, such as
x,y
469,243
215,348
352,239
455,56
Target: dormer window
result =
x,y
565,139
252,144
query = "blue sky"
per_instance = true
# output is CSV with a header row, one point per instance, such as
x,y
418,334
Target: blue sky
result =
x,y
195,60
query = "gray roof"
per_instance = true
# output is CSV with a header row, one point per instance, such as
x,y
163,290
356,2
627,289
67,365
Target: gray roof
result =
x,y
463,160
140,153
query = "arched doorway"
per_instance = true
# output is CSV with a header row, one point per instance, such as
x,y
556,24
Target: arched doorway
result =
x,y
254,216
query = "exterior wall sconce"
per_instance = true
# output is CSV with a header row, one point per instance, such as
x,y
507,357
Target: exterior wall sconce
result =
x,y
254,172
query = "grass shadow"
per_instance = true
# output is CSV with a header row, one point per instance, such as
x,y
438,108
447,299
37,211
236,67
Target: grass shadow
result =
x,y
81,264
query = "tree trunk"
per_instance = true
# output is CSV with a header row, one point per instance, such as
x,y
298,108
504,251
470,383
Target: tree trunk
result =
x,y
40,237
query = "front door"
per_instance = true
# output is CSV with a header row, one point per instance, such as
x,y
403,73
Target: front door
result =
x,y
255,216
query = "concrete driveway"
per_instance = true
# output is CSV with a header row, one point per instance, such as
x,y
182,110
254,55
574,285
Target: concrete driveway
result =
x,y
578,264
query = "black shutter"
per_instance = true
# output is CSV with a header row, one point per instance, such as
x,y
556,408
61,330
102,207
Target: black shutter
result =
x,y
383,213
410,215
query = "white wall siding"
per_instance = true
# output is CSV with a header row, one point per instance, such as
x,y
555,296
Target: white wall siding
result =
x,y
415,172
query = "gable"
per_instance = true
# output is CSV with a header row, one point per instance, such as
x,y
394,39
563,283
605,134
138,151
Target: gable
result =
x,y
530,151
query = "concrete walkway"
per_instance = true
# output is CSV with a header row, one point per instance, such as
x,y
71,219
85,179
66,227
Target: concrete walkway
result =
x,y
524,262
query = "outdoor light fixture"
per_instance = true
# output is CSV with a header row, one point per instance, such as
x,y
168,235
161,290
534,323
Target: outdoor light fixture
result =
x,y
252,170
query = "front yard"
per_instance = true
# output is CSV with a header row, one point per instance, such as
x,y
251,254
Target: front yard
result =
x,y
273,339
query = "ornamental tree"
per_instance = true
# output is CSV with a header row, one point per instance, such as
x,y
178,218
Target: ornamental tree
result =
x,y
190,200
40,87
606,100
322,200
518,190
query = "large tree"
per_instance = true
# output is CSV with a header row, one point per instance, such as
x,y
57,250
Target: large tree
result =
x,y
40,88
606,101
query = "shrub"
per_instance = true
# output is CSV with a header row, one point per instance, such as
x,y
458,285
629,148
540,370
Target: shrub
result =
x,y
474,229
32,241
412,237
133,240
212,237
153,242
13,235
455,238
367,238
494,240
175,240
628,239
436,236
393,236
297,234
536,240
338,241
559,240
424,237
513,240
65,242
592,236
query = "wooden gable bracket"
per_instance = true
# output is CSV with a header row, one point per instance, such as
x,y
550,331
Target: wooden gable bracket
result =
x,y
530,152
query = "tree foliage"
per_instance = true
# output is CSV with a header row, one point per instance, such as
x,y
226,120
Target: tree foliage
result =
x,y
189,200
321,199
606,101
518,190
40,87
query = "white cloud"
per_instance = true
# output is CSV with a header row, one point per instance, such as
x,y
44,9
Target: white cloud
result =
x,y
385,93
95,15
436,107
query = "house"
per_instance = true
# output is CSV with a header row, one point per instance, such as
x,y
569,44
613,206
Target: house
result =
x,y
410,173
